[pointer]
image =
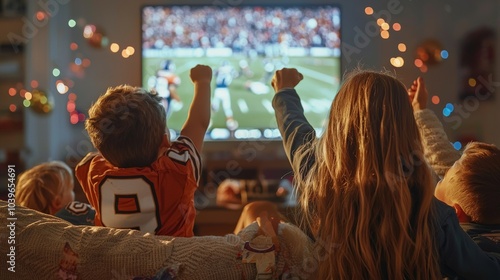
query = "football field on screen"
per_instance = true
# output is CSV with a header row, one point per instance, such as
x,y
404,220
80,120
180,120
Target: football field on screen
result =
x,y
250,105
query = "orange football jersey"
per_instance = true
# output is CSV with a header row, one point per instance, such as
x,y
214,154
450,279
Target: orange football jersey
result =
x,y
158,199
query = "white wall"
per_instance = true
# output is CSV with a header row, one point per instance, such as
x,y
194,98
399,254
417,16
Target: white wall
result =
x,y
53,137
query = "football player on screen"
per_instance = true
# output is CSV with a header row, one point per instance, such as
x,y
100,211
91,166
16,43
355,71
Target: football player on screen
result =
x,y
223,77
165,84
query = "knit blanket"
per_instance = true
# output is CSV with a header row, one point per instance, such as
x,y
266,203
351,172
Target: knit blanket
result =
x,y
40,246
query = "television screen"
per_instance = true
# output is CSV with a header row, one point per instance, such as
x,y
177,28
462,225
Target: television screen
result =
x,y
244,46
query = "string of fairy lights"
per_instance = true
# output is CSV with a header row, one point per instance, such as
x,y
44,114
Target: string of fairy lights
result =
x,y
428,53
38,100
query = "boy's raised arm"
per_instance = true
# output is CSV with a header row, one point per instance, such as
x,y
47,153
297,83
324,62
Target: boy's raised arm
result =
x,y
198,118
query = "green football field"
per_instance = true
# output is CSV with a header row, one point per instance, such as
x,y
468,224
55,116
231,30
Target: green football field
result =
x,y
317,90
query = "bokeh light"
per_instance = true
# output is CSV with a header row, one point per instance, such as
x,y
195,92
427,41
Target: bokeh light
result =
x,y
424,68
385,26
26,103
401,47
457,145
73,119
384,34
86,62
56,72
435,100
472,82
369,10
396,26
397,61
71,23
28,95
73,46
125,54
71,106
88,31
12,91
72,96
114,47
446,112
12,108
444,54
34,84
450,107
380,21
40,16
419,63
130,50
61,87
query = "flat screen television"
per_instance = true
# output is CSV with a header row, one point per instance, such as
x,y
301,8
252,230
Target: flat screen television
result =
x,y
244,45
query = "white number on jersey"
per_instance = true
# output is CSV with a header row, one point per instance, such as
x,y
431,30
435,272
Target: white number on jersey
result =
x,y
141,211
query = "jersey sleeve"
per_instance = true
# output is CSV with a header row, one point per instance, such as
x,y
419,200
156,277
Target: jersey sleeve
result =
x,y
183,151
82,172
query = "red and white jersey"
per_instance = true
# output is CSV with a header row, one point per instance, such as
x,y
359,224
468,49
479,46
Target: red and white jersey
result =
x,y
158,199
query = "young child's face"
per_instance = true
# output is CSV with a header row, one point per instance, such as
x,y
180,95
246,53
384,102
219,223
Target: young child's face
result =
x,y
443,185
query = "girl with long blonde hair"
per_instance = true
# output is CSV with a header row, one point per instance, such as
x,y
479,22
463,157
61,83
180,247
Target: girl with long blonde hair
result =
x,y
364,189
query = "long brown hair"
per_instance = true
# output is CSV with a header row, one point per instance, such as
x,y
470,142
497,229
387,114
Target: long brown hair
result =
x,y
368,194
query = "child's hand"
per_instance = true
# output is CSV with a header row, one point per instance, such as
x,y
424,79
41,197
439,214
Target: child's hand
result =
x,y
286,78
201,74
418,94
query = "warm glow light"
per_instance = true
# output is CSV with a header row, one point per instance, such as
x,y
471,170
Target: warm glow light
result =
x,y
43,100
61,87
419,63
396,26
472,82
130,50
125,54
384,34
88,31
28,95
397,61
12,91
86,62
72,96
71,106
401,47
81,117
423,68
73,46
385,26
34,84
114,47
435,100
12,108
74,118
369,10
40,16
22,92
380,21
